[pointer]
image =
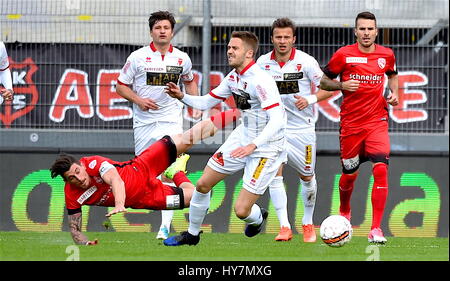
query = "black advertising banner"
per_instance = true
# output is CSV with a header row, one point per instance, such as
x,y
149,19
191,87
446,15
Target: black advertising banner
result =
x,y
72,86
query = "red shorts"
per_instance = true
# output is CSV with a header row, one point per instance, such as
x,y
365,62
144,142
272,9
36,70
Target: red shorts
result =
x,y
154,161
370,143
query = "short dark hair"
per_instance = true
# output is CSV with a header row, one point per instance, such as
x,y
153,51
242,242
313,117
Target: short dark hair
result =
x,y
249,38
62,164
283,23
367,16
161,15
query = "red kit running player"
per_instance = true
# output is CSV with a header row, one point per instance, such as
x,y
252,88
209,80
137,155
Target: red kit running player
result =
x,y
364,114
99,181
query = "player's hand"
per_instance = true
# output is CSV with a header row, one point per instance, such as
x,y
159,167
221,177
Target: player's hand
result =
x,y
116,210
301,103
147,104
392,99
7,94
174,91
243,151
92,243
196,114
350,85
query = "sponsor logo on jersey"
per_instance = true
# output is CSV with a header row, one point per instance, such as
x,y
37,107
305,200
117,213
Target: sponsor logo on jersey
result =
x,y
369,78
241,99
174,69
293,76
356,60
148,59
287,87
88,193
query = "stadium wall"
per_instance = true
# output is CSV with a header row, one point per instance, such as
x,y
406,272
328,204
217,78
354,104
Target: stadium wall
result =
x,y
417,205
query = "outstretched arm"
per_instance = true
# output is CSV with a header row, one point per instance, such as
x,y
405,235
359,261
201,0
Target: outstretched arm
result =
x,y
75,230
205,129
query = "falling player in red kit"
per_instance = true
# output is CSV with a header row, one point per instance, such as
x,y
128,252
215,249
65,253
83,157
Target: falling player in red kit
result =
x,y
99,181
364,114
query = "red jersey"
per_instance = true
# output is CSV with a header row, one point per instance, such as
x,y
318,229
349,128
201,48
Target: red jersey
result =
x,y
142,188
367,104
99,193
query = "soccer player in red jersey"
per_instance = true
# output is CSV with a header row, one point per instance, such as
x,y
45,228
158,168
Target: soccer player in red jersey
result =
x,y
364,114
99,181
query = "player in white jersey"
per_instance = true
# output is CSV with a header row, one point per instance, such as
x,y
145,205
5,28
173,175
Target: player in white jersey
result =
x,y
256,145
5,75
295,73
142,81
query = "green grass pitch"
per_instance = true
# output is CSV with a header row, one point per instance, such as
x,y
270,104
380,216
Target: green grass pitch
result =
x,y
123,246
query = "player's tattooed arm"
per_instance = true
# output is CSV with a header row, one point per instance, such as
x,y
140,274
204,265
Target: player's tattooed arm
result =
x,y
329,84
75,230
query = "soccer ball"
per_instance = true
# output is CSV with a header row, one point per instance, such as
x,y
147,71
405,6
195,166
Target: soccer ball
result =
x,y
336,231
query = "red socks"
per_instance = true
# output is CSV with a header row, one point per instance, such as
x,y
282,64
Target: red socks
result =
x,y
379,193
222,119
346,184
180,178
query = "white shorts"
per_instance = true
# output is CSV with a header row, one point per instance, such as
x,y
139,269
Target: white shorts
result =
x,y
144,136
301,152
259,170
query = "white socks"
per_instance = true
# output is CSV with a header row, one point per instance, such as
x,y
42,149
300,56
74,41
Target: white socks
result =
x,y
279,200
166,219
255,216
309,191
197,211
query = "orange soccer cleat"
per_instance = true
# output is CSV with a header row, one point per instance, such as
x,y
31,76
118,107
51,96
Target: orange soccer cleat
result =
x,y
309,233
285,234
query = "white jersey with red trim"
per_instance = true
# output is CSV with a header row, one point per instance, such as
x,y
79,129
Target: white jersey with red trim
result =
x,y
254,92
4,63
148,72
295,77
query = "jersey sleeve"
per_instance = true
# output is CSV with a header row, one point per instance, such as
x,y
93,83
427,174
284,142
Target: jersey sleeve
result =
x,y
335,66
128,71
97,165
391,65
187,74
267,93
314,72
223,91
71,202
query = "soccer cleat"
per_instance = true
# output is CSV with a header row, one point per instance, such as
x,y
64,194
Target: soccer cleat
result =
x,y
185,238
163,233
285,234
309,233
253,229
177,166
376,236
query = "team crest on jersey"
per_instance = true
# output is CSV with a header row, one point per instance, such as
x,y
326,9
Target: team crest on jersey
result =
x,y
381,62
180,61
299,67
